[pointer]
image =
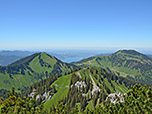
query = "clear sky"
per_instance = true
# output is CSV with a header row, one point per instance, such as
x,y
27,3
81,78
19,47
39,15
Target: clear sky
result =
x,y
76,24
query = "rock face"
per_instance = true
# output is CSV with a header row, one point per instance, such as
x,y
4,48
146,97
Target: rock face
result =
x,y
95,89
32,94
116,97
80,84
46,96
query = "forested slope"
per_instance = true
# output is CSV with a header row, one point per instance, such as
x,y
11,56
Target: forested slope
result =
x,y
81,95
85,87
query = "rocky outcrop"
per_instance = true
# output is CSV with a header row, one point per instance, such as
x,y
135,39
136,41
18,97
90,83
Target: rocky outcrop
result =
x,y
80,84
46,96
116,97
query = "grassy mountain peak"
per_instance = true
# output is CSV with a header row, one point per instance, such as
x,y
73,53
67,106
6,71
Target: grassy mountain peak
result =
x,y
28,59
31,69
132,54
126,63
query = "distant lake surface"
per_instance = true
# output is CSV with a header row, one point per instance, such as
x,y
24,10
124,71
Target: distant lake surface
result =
x,y
72,59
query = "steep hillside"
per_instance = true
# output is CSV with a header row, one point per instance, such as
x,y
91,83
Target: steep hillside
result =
x,y
85,87
26,71
127,63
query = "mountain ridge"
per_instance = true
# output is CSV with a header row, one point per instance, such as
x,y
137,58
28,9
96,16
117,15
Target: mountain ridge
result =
x,y
28,70
127,63
91,83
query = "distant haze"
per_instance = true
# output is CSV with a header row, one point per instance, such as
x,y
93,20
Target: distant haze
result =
x,y
66,55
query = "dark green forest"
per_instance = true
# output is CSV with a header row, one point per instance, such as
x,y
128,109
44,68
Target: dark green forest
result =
x,y
138,100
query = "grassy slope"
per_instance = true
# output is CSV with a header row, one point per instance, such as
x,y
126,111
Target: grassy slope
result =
x,y
106,63
18,81
62,90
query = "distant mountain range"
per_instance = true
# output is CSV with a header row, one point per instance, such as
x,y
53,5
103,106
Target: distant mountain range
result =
x,y
68,56
15,53
7,57
149,55
127,63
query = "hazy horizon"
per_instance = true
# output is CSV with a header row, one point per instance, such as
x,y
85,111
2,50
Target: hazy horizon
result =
x,y
98,51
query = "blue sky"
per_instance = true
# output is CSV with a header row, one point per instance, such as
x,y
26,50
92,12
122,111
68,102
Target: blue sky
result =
x,y
75,24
